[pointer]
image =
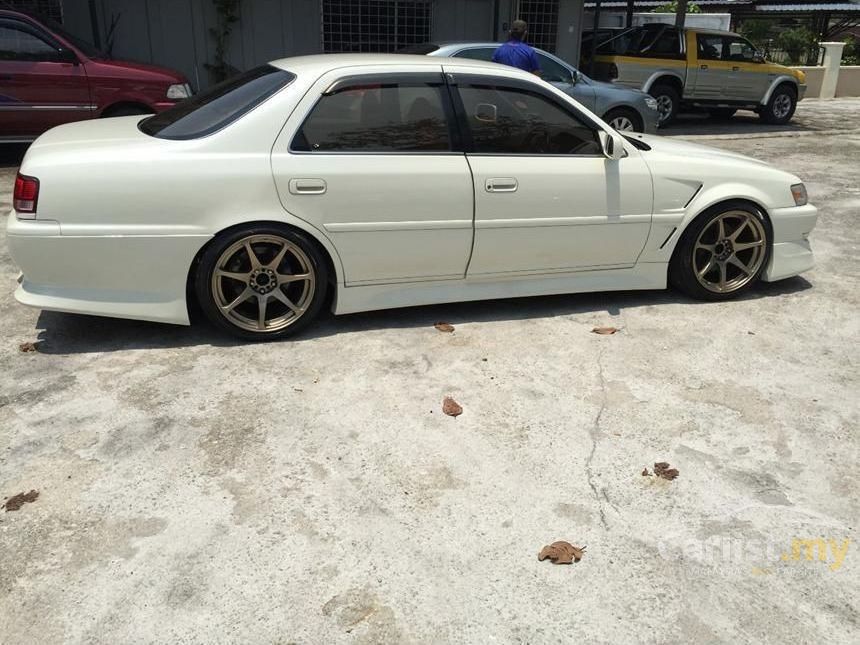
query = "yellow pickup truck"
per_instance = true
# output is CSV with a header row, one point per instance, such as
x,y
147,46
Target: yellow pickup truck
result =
x,y
704,69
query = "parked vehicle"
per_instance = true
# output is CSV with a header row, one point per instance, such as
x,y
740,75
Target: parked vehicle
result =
x,y
378,181
49,77
624,109
717,71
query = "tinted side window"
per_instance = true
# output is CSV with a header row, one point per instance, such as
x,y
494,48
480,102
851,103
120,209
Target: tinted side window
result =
x,y
219,106
553,72
710,47
506,120
16,44
478,53
397,117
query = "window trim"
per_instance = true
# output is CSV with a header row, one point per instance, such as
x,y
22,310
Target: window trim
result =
x,y
345,83
514,84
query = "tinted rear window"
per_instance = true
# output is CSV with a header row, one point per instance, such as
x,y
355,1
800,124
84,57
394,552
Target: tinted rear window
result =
x,y
421,50
219,106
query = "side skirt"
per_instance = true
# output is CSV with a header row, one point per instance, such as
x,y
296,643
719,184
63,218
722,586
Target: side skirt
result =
x,y
349,300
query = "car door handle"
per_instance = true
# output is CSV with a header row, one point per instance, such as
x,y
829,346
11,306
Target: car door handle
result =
x,y
501,185
703,67
307,186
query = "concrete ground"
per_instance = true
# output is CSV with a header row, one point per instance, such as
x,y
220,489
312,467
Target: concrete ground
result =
x,y
195,490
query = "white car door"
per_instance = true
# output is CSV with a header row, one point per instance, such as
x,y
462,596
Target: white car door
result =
x,y
369,159
546,198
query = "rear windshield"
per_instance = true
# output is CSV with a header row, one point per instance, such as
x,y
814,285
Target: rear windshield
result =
x,y
219,106
422,50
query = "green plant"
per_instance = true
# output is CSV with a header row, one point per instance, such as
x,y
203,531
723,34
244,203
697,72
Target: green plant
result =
x,y
672,7
758,31
798,44
228,14
851,53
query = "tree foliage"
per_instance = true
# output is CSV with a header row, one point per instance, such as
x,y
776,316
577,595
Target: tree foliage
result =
x,y
672,7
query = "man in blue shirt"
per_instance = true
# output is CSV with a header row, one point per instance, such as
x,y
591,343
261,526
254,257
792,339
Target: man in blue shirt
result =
x,y
515,52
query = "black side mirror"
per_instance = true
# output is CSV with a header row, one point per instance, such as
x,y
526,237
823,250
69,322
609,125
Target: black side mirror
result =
x,y
67,56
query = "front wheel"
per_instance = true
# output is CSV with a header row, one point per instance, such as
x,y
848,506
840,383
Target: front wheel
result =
x,y
261,282
722,253
624,120
780,108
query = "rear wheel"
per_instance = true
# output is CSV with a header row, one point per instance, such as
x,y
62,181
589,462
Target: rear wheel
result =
x,y
722,253
624,120
722,114
780,108
668,103
262,282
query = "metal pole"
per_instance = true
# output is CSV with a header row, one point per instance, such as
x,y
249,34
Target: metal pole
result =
x,y
594,38
681,14
629,20
94,25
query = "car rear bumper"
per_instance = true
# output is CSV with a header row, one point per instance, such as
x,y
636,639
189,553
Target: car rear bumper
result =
x,y
125,276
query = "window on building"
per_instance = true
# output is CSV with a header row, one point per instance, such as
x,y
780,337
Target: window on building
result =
x,y
542,18
396,117
374,25
52,9
506,120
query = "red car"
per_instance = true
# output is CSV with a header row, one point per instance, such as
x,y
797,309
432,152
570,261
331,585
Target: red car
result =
x,y
49,77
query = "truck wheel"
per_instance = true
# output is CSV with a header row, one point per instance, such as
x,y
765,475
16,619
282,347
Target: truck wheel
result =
x,y
668,102
722,114
780,108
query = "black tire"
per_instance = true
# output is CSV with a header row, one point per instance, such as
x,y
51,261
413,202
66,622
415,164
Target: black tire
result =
x,y
301,256
687,259
722,114
781,106
670,100
629,114
125,110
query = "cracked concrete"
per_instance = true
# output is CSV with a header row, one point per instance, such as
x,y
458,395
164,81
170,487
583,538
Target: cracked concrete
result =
x,y
197,490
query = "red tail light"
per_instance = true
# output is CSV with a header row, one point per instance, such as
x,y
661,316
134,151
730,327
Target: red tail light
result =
x,y
26,194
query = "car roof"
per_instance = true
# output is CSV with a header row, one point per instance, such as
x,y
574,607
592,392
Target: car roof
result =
x,y
322,63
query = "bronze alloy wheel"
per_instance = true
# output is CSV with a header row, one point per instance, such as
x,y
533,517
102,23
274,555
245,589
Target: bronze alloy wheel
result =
x,y
722,252
262,282
729,251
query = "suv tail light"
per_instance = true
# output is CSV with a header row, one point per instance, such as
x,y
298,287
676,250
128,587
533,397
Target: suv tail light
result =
x,y
26,194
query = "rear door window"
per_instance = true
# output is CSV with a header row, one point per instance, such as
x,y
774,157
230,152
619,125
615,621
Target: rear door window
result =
x,y
219,106
379,117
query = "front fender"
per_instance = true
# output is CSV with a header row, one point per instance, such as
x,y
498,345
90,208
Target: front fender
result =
x,y
782,78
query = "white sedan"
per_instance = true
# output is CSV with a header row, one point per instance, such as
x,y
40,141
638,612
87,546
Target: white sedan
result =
x,y
374,181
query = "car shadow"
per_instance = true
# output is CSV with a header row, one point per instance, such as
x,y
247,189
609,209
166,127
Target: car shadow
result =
x,y
742,123
63,334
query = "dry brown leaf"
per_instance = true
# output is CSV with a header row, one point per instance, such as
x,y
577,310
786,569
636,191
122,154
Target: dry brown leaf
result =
x,y
451,407
662,469
443,326
17,501
561,552
604,331
28,347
